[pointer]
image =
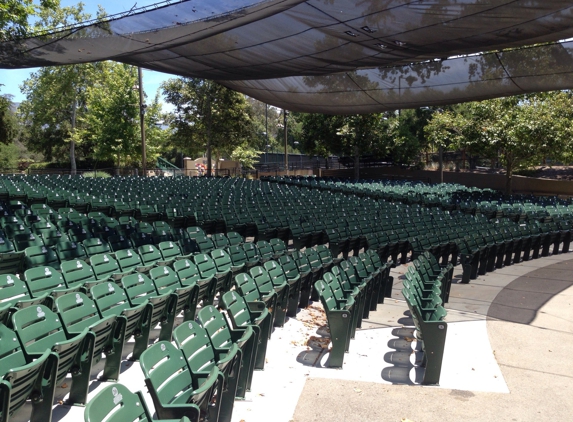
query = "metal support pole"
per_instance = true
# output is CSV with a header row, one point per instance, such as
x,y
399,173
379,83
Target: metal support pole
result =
x,y
142,124
441,158
286,150
209,162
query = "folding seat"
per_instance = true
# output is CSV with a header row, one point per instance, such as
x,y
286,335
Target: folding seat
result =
x,y
339,323
189,275
133,320
224,271
252,292
170,251
56,200
39,329
265,250
78,273
204,243
31,219
348,296
202,357
225,338
77,313
195,231
307,277
24,378
95,246
45,281
118,242
106,267
174,217
140,288
121,209
253,314
208,270
115,403
294,279
78,234
220,240
25,240
186,296
40,256
234,238
14,294
281,286
175,390
252,253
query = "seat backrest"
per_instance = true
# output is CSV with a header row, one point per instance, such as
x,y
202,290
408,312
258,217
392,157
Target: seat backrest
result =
x,y
167,371
237,309
276,273
205,265
38,328
116,403
216,327
222,260
95,245
289,267
193,341
265,250
119,241
70,251
104,266
149,254
247,286
138,286
43,279
263,279
187,271
238,255
169,250
251,251
41,256
234,238
77,272
220,240
128,259
164,278
12,289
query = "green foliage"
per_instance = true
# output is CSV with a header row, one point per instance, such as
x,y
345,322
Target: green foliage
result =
x,y
14,16
8,156
98,173
519,131
246,155
111,121
8,123
206,111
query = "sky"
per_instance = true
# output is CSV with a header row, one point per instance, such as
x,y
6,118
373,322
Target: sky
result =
x,y
12,79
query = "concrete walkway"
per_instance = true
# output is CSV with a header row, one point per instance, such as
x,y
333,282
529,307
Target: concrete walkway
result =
x,y
507,358
521,315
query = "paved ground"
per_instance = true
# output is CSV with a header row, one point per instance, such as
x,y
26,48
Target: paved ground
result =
x,y
506,359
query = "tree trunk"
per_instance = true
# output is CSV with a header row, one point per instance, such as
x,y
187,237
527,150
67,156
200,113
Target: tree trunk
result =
x,y
73,166
356,163
209,163
508,180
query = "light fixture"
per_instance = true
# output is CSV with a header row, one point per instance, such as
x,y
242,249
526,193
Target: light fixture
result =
x,y
400,43
366,28
380,45
352,34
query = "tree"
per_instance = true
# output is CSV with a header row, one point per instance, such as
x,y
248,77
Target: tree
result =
x,y
352,135
14,15
208,117
517,131
8,123
110,122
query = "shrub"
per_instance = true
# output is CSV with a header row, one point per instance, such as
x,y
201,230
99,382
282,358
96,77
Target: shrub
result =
x,y
97,173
